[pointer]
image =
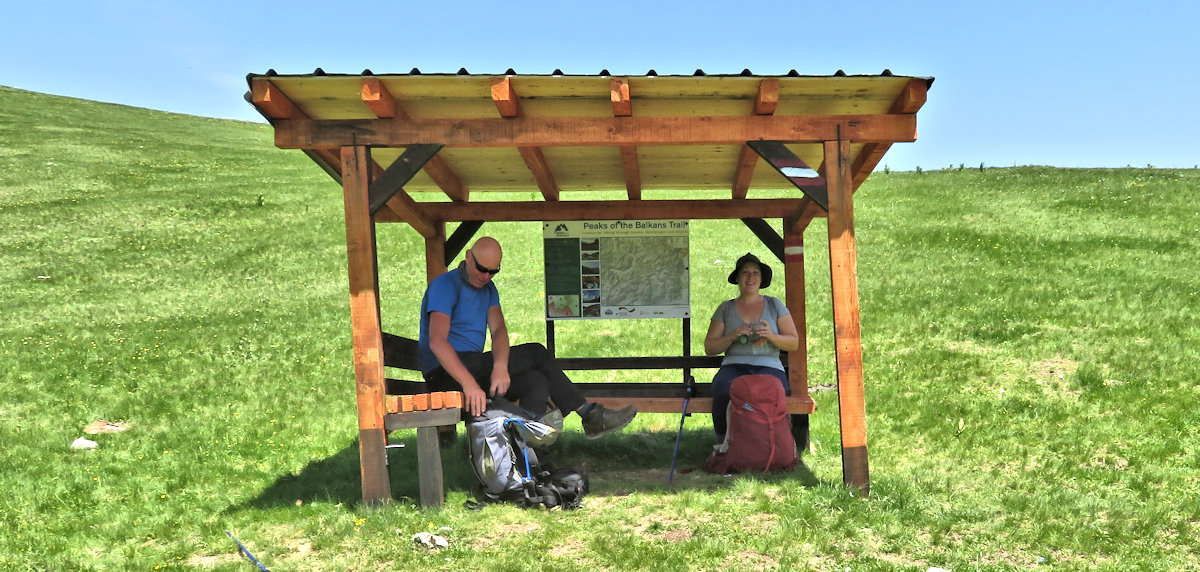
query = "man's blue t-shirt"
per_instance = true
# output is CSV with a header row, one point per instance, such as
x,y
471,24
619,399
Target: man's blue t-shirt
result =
x,y
467,307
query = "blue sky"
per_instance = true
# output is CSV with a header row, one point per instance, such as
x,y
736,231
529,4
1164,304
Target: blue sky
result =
x,y
1069,84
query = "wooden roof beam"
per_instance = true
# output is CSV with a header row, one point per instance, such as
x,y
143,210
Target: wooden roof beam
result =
x,y
622,104
912,97
910,100
381,102
505,97
275,105
594,131
272,102
699,209
764,104
509,105
768,97
623,107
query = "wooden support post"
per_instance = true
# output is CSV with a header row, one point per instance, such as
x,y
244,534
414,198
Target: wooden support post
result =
x,y
429,467
437,258
843,267
435,253
365,324
793,273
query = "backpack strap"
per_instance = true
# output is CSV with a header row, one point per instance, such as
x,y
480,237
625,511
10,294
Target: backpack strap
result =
x,y
771,456
776,305
475,505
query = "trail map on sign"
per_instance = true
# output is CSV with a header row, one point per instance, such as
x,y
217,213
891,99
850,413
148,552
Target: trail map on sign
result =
x,y
616,269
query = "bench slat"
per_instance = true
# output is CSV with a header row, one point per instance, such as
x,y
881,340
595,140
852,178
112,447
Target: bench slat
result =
x,y
802,405
426,418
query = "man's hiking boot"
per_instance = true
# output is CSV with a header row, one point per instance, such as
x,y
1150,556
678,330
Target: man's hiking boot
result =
x,y
600,420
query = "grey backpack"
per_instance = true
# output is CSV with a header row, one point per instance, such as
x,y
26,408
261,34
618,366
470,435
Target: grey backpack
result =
x,y
502,456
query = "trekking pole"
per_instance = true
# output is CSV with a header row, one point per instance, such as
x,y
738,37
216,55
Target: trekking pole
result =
x,y
689,389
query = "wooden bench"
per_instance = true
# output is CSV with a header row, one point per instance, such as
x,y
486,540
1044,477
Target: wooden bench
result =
x,y
669,397
402,353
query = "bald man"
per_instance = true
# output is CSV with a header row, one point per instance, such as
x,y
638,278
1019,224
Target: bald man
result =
x,y
459,310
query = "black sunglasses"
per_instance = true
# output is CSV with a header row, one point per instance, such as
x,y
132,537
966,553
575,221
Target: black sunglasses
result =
x,y
484,269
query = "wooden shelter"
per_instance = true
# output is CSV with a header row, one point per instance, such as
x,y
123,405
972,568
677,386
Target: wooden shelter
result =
x,y
426,149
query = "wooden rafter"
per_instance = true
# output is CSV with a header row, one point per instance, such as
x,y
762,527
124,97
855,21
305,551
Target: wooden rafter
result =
x,y
381,102
505,97
593,131
272,102
910,100
275,105
509,105
764,104
623,107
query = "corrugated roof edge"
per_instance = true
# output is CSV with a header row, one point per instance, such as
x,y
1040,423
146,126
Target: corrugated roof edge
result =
x,y
558,73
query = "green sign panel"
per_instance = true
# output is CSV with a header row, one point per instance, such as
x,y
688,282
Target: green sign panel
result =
x,y
616,269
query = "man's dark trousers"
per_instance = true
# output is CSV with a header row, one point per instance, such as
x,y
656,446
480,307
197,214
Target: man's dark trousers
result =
x,y
534,374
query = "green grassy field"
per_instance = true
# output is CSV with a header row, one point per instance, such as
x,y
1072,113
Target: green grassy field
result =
x,y
1030,355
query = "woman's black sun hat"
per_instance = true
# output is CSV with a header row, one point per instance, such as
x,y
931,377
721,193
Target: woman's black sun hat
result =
x,y
763,268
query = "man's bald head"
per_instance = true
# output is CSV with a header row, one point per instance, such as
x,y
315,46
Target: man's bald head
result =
x,y
485,254
485,249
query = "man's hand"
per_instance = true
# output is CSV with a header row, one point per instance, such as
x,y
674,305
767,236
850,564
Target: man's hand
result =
x,y
500,382
474,399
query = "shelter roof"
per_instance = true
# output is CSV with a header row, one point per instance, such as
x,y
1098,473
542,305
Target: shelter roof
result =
x,y
562,133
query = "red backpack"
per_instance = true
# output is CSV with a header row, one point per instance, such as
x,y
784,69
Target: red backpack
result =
x,y
759,434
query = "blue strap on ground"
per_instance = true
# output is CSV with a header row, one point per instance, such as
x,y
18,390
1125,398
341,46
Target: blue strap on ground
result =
x,y
243,550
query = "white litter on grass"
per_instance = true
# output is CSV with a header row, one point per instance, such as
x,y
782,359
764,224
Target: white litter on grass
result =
x,y
82,443
430,540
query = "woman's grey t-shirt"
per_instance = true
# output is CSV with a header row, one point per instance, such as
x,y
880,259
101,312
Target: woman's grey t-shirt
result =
x,y
766,355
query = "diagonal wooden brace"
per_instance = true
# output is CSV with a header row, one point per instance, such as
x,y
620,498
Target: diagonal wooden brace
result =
x,y
400,173
769,237
462,235
794,169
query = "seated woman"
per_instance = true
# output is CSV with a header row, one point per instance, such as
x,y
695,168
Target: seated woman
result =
x,y
751,329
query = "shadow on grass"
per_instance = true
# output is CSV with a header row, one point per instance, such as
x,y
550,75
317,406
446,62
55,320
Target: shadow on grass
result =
x,y
640,461
616,465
